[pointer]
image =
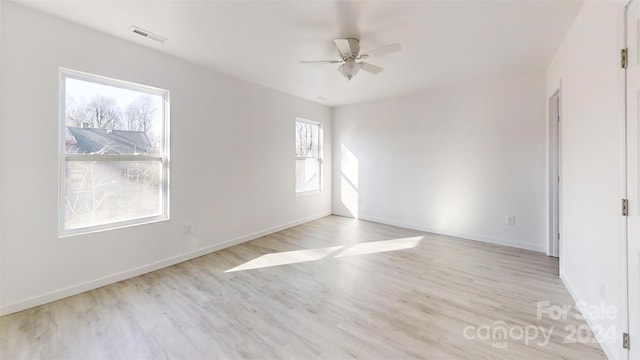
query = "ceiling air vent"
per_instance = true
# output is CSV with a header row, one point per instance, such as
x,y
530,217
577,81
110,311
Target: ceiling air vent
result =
x,y
148,34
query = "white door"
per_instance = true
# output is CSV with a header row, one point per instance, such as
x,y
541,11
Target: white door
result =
x,y
633,174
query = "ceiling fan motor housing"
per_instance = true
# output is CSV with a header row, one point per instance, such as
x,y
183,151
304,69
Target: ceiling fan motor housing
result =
x,y
348,48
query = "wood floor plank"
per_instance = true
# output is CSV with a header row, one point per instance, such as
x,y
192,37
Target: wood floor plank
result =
x,y
335,288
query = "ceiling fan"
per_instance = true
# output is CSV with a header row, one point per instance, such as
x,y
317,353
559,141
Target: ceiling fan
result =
x,y
349,50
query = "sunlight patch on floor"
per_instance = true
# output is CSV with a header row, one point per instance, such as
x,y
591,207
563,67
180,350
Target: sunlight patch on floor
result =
x,y
286,257
381,246
301,256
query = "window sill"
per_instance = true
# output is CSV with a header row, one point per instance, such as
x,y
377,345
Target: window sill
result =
x,y
113,226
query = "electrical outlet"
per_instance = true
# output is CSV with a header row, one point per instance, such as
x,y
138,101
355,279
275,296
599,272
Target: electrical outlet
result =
x,y
188,229
510,220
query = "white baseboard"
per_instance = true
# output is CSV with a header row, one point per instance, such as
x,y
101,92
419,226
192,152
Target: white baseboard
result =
x,y
606,346
110,279
466,236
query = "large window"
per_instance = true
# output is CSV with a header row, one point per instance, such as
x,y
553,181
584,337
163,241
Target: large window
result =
x,y
114,155
308,156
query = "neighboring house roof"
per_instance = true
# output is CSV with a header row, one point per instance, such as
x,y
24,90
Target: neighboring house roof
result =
x,y
104,141
68,137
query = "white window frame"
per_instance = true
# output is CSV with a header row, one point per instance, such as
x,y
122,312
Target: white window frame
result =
x,y
65,157
319,158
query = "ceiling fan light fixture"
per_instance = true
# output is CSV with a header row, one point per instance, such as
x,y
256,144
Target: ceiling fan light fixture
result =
x,y
349,50
350,69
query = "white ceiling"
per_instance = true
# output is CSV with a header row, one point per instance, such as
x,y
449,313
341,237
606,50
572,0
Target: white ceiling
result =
x,y
262,41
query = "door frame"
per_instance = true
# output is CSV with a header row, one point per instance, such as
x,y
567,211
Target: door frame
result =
x,y
554,162
626,168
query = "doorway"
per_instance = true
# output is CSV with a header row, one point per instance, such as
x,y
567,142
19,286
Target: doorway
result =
x,y
553,248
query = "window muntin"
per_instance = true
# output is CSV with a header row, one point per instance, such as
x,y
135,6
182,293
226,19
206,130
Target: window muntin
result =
x,y
308,139
114,156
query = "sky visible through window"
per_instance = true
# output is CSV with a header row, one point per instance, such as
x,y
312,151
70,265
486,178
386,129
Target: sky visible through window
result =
x,y
80,106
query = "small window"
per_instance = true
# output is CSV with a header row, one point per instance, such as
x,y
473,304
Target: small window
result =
x,y
308,156
114,155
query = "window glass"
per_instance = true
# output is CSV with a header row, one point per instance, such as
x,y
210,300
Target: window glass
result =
x,y
308,161
114,153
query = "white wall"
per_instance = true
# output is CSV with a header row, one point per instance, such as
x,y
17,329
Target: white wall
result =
x,y
586,68
232,170
452,161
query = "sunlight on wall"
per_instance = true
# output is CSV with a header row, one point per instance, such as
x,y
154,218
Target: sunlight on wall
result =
x,y
349,181
381,246
286,257
300,256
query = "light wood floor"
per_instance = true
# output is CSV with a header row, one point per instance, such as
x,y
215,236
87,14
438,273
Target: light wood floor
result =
x,y
344,289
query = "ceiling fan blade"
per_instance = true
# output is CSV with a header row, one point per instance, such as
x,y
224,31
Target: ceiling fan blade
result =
x,y
381,51
348,47
370,68
321,61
